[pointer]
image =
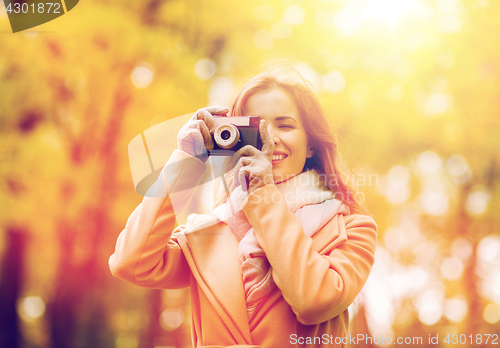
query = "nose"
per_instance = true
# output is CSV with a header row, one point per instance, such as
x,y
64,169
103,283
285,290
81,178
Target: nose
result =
x,y
273,134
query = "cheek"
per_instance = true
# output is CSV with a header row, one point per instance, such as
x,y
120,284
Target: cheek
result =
x,y
299,145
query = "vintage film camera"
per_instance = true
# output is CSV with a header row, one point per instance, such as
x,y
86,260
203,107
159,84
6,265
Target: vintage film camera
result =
x,y
234,132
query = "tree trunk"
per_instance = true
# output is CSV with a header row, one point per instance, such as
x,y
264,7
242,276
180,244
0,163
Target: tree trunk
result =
x,y
11,281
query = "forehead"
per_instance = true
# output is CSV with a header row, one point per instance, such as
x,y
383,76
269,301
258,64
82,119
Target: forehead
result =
x,y
271,103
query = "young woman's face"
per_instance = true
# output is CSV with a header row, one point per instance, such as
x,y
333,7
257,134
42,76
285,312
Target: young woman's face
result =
x,y
285,129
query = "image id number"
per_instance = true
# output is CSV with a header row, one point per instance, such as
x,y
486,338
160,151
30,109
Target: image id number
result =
x,y
48,7
471,339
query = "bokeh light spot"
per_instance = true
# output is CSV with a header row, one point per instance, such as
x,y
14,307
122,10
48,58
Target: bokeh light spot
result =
x,y
458,168
477,201
282,30
294,15
452,268
31,308
395,239
434,202
488,249
448,5
397,190
437,103
334,82
171,319
346,21
142,75
429,162
491,313
450,23
309,74
490,286
462,248
205,68
263,40
389,11
220,91
455,309
446,59
430,307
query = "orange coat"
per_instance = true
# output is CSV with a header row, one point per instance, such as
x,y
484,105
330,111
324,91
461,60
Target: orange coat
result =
x,y
317,278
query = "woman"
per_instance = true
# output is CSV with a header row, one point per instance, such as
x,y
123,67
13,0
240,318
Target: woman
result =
x,y
280,260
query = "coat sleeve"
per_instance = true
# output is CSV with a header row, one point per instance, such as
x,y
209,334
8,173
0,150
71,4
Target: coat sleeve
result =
x,y
317,285
146,254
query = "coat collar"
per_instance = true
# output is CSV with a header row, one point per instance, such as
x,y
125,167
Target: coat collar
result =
x,y
303,189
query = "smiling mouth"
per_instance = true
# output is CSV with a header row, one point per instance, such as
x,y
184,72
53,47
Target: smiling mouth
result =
x,y
279,158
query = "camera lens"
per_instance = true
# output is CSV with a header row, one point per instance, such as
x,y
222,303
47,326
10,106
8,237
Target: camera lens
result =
x,y
225,134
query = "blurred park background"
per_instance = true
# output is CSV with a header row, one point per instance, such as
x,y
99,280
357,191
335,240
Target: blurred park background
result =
x,y
411,86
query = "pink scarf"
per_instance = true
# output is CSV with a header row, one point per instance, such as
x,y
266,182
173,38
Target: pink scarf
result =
x,y
306,197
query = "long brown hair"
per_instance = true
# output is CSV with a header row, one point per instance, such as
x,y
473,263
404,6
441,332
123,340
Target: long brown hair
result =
x,y
326,159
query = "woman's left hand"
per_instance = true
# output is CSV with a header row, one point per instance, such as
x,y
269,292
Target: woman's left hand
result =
x,y
254,168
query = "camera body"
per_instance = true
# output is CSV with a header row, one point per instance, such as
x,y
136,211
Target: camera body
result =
x,y
234,132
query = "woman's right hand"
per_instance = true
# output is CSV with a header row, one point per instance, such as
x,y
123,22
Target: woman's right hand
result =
x,y
196,136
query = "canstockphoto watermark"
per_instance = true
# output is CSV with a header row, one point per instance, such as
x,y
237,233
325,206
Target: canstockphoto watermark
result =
x,y
334,181
354,340
26,14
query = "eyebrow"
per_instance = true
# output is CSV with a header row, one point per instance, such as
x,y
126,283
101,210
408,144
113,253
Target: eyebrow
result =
x,y
280,118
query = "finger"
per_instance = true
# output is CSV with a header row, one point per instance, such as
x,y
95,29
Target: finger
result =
x,y
217,110
241,171
255,182
247,150
207,137
246,161
193,123
243,174
267,142
207,117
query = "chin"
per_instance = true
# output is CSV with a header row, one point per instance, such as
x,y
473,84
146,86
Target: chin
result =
x,y
279,177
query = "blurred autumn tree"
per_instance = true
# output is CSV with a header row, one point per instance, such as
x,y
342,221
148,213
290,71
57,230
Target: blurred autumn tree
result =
x,y
412,87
